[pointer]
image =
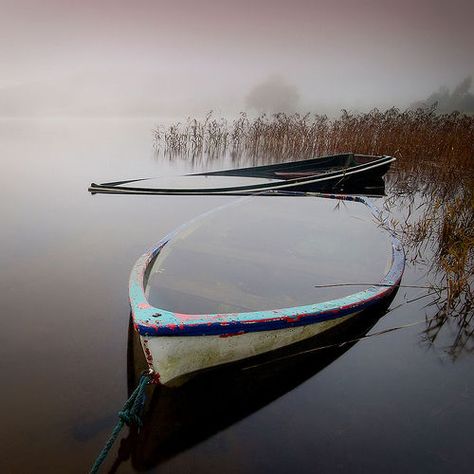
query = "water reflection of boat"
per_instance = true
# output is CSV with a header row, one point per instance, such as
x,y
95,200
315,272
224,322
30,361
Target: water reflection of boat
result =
x,y
337,173
231,285
178,418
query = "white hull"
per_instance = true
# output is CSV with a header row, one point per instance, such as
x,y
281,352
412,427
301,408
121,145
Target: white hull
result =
x,y
171,357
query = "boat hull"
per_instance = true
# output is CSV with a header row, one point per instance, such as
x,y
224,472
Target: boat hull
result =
x,y
172,357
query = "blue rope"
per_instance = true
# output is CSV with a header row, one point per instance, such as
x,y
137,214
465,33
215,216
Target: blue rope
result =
x,y
129,415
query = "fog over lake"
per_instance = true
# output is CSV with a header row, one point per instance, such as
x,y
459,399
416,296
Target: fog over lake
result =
x,y
160,58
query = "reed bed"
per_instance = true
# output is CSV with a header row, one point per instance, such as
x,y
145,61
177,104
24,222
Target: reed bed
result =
x,y
430,188
411,135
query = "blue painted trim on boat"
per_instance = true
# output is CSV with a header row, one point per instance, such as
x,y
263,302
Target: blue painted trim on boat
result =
x,y
151,321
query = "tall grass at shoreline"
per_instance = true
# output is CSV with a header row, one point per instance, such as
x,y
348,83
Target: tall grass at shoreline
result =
x,y
409,135
430,188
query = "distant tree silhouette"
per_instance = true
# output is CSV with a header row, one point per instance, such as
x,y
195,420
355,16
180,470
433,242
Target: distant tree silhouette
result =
x,y
444,101
273,95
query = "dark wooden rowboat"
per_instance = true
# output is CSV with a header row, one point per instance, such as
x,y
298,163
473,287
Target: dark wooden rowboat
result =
x,y
342,173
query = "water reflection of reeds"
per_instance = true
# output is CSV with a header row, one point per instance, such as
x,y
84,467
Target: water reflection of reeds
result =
x,y
435,220
430,201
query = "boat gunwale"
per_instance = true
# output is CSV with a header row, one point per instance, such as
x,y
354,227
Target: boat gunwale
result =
x,y
152,321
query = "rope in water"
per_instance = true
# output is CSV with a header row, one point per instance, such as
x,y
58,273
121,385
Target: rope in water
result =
x,y
129,415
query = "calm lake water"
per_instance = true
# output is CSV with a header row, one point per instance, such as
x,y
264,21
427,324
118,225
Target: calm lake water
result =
x,y
391,403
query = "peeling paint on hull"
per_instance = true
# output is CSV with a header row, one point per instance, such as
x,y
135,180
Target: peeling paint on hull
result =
x,y
174,356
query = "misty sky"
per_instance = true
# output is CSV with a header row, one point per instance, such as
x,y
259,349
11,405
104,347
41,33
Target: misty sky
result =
x,y
160,57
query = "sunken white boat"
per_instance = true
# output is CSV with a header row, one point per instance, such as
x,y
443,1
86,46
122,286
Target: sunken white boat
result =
x,y
257,275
